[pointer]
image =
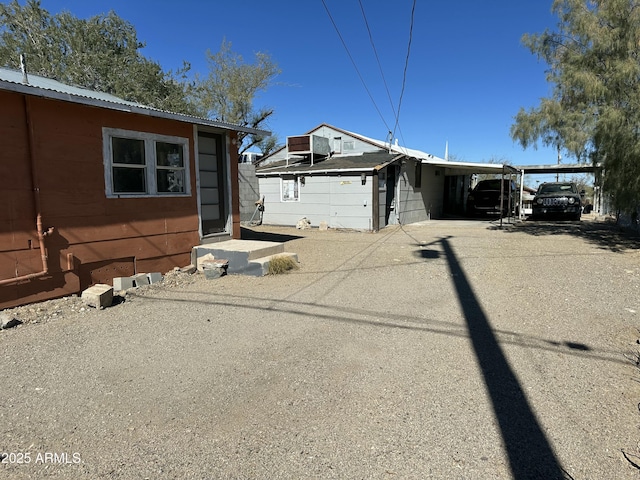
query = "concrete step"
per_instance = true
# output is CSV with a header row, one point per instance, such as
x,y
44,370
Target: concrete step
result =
x,y
260,266
240,253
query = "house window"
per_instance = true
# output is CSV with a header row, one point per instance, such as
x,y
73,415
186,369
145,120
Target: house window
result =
x,y
337,144
128,165
170,167
145,164
348,145
290,185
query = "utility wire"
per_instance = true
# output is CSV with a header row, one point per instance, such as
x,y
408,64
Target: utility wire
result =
x,y
406,64
375,51
390,135
356,67
384,80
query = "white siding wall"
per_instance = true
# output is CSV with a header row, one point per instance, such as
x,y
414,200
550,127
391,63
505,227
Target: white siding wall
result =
x,y
433,189
342,202
351,203
313,204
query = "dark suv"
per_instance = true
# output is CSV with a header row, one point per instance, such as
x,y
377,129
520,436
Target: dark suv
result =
x,y
558,199
485,197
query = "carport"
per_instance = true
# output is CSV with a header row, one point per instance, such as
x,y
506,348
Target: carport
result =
x,y
467,169
557,169
506,171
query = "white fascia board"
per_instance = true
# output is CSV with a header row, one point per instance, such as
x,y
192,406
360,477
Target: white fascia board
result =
x,y
477,167
313,172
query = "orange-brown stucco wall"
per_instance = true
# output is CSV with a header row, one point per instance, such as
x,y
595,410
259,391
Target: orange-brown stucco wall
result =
x,y
95,238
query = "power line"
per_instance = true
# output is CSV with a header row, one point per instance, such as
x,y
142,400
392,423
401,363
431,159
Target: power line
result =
x,y
375,51
406,64
356,67
384,80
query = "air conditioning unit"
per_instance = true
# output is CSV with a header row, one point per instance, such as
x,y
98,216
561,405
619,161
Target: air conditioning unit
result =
x,y
308,145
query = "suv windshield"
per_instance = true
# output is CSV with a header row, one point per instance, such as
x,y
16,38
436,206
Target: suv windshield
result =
x,y
557,188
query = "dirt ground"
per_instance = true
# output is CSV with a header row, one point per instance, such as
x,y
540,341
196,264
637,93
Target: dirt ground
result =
x,y
448,349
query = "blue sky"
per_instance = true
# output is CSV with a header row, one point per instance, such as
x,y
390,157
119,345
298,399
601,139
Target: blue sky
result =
x,y
467,77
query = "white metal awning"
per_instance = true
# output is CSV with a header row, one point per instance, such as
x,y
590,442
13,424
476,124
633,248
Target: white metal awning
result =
x,y
467,168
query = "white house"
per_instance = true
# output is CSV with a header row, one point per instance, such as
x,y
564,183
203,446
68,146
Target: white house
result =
x,y
352,181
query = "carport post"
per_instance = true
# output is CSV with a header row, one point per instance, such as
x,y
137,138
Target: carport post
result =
x,y
520,214
509,199
501,196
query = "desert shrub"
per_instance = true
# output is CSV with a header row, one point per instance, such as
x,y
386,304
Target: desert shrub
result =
x,y
282,264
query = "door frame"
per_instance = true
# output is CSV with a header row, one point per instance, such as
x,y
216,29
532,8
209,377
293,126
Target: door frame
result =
x,y
224,181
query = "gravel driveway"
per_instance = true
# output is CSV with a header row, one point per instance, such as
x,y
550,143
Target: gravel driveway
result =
x,y
445,350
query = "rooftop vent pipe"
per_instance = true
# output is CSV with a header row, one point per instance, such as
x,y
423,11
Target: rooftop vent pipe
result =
x,y
23,67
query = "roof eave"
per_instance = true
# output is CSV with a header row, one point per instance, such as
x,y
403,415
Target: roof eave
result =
x,y
123,107
281,170
309,172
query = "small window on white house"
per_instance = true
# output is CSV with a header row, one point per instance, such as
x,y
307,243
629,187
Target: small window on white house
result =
x,y
290,188
144,164
348,145
337,144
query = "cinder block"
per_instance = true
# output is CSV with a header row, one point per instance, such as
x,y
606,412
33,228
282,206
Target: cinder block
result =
x,y
140,279
98,296
122,283
200,261
188,269
216,263
213,273
154,277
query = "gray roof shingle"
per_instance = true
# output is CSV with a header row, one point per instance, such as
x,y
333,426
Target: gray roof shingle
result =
x,y
343,163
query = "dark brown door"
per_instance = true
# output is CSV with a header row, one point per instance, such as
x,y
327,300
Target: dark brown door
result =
x,y
212,185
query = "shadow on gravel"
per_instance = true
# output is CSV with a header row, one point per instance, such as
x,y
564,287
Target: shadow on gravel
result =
x,y
530,454
374,318
248,234
605,235
427,254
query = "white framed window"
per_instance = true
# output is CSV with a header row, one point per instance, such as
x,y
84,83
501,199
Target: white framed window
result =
x,y
337,144
142,164
290,188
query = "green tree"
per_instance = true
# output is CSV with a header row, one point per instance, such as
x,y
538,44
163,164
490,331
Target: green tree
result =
x,y
100,53
228,92
593,112
103,53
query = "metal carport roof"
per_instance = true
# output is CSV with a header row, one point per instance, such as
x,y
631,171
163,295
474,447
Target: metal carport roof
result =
x,y
560,168
469,167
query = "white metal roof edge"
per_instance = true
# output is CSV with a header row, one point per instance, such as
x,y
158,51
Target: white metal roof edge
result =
x,y
371,141
392,147
446,163
487,167
121,105
309,172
